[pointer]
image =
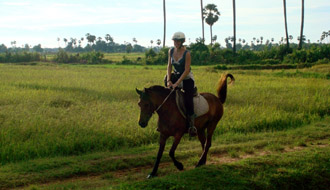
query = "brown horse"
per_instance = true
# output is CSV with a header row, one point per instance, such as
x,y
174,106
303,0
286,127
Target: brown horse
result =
x,y
172,123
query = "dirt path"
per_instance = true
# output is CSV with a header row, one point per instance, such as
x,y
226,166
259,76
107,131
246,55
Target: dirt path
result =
x,y
165,168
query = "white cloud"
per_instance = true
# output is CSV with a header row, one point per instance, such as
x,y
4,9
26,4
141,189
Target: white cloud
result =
x,y
45,18
16,3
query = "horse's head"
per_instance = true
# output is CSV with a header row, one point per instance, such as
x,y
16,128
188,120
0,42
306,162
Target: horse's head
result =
x,y
146,107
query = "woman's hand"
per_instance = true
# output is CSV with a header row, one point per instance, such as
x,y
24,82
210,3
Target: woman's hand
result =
x,y
174,85
169,84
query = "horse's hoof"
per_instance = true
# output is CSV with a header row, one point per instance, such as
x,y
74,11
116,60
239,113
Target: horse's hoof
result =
x,y
200,164
179,166
150,176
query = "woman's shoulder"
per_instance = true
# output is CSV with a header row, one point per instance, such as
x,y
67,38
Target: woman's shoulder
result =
x,y
187,52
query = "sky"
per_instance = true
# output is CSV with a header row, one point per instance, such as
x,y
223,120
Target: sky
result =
x,y
42,22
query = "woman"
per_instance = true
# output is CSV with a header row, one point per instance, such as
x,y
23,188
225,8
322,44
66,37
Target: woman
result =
x,y
182,77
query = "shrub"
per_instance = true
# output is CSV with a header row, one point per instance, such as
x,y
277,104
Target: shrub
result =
x,y
85,58
153,58
19,57
270,61
150,53
92,57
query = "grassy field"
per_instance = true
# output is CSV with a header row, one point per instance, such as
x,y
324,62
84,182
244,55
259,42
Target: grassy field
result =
x,y
118,57
114,57
63,121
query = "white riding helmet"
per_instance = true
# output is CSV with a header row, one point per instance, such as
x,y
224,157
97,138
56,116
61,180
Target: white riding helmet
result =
x,y
179,36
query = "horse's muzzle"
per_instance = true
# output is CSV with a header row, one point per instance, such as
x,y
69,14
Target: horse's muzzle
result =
x,y
143,124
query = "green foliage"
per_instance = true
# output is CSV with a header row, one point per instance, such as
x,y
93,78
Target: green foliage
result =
x,y
150,53
92,57
274,55
200,53
19,57
64,57
153,58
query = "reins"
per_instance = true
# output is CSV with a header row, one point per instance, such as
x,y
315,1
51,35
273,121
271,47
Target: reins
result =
x,y
164,101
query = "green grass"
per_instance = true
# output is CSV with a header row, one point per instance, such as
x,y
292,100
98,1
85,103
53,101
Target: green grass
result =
x,y
64,121
49,111
106,164
118,57
308,169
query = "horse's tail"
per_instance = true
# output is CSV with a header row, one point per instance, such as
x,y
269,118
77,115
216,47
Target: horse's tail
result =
x,y
222,86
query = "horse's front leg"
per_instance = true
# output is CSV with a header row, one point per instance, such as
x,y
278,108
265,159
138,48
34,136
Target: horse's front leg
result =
x,y
162,142
177,139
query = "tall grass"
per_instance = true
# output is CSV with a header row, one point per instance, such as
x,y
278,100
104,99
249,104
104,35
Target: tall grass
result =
x,y
70,110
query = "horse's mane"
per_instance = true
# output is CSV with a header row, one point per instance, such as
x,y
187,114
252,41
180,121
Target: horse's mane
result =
x,y
159,89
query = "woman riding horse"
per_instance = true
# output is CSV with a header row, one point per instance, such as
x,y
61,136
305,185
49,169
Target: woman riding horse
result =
x,y
171,122
180,59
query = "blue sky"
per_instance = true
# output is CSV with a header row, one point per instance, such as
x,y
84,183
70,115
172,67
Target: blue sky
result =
x,y
39,21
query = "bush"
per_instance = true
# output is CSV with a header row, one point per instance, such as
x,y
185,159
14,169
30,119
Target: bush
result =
x,y
270,62
200,54
85,58
92,58
150,53
152,58
126,61
64,57
9,57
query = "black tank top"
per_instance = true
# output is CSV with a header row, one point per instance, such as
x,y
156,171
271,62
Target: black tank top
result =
x,y
179,65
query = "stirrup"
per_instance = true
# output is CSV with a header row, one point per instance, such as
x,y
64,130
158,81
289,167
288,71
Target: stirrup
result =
x,y
192,131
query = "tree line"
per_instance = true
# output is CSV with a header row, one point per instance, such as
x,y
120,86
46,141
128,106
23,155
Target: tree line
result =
x,y
106,44
210,14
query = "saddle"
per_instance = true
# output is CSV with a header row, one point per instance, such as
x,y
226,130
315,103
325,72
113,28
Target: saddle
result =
x,y
201,106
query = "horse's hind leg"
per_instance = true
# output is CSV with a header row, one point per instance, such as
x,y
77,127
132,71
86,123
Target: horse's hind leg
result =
x,y
178,164
210,131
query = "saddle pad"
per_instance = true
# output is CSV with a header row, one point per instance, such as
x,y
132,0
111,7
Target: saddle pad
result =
x,y
201,106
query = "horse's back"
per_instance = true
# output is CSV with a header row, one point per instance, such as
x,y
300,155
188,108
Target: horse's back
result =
x,y
215,105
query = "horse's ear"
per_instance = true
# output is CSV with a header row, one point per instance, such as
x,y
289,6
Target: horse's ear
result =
x,y
139,92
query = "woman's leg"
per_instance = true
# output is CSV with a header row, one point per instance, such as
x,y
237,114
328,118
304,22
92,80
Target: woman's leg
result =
x,y
189,89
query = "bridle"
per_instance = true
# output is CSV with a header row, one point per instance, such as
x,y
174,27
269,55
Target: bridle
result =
x,y
163,101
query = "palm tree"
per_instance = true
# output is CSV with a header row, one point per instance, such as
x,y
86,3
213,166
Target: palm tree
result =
x,y
164,10
234,25
108,38
324,35
65,41
302,23
135,41
90,38
286,25
75,42
202,15
151,42
212,15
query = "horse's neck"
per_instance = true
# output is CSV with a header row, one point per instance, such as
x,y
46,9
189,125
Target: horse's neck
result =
x,y
163,100
159,97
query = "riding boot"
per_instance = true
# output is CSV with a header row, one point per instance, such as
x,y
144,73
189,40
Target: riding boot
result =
x,y
191,122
